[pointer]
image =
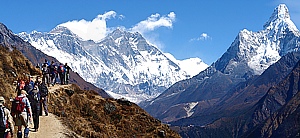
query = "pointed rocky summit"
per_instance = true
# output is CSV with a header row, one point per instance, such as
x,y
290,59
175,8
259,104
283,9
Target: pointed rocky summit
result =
x,y
280,17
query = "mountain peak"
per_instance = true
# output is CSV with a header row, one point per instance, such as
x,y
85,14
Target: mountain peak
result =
x,y
281,12
61,30
280,18
4,29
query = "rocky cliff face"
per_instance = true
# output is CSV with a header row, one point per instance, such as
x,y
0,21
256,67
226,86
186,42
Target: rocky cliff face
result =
x,y
276,113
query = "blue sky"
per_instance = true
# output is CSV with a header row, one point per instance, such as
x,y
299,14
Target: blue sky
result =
x,y
190,28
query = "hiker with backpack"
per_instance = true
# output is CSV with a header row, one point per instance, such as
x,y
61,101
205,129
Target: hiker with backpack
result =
x,y
6,121
61,72
34,98
20,85
21,111
43,99
46,62
46,74
37,81
53,73
29,84
67,73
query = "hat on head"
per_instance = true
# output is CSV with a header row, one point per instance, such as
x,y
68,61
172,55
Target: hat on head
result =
x,y
23,92
2,100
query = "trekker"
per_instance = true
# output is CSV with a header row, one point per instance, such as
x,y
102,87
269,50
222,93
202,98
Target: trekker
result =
x,y
34,98
37,82
6,121
20,85
67,73
61,73
29,85
21,111
46,62
46,74
43,99
53,73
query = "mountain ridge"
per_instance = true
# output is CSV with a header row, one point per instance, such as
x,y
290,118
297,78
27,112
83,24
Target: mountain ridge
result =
x,y
123,62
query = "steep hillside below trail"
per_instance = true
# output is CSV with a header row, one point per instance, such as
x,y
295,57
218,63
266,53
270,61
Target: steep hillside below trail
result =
x,y
51,126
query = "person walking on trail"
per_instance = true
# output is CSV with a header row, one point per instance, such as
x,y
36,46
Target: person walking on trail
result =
x,y
67,73
21,111
37,82
6,121
61,72
46,62
29,85
53,73
34,98
46,74
20,85
43,99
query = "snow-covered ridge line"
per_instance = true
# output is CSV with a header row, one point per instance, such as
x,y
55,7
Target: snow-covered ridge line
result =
x,y
123,62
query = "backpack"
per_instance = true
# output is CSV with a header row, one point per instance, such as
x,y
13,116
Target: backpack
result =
x,y
3,121
43,90
18,105
29,86
61,69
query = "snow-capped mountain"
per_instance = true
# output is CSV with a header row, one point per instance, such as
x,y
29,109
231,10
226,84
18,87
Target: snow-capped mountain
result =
x,y
249,55
123,63
261,49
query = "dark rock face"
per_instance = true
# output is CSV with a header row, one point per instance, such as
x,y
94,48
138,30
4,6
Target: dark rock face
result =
x,y
278,111
250,112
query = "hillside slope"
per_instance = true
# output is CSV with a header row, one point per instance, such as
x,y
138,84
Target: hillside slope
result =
x,y
90,115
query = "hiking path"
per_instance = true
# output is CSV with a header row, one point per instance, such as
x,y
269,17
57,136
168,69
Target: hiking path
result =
x,y
50,126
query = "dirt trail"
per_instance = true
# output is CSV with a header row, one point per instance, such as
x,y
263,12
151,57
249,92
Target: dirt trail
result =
x,y
50,126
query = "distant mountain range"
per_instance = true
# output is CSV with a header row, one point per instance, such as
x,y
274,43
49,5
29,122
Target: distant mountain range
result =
x,y
225,99
252,90
124,64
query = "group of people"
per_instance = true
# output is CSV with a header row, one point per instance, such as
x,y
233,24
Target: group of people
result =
x,y
32,97
52,72
26,107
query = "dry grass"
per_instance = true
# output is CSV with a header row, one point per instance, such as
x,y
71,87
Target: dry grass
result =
x,y
90,115
13,65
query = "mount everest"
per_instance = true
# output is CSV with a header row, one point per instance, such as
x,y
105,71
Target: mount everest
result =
x,y
124,64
